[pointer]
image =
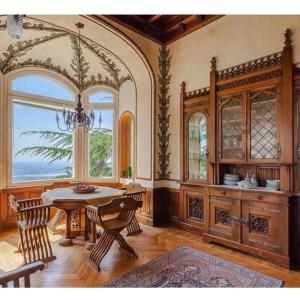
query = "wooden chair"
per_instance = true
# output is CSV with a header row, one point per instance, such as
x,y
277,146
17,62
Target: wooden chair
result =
x,y
123,211
56,220
21,272
32,219
135,191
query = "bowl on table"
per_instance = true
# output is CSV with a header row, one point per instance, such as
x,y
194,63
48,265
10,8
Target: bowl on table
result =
x,y
84,189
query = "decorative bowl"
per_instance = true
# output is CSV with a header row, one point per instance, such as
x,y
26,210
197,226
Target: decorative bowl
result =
x,y
83,189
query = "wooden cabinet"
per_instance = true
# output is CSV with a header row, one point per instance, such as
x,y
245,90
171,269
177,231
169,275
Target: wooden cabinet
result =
x,y
249,126
240,220
250,130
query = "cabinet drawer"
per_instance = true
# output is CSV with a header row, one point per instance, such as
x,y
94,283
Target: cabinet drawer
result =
x,y
225,193
267,197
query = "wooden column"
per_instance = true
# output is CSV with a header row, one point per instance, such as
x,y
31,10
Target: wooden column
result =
x,y
182,129
286,114
212,130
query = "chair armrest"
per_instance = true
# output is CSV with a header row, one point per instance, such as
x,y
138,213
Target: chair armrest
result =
x,y
21,272
28,209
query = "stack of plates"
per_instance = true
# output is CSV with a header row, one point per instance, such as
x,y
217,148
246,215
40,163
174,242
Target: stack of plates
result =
x,y
273,185
231,179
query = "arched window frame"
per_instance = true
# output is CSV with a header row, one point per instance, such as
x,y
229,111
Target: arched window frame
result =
x,y
39,101
85,152
80,158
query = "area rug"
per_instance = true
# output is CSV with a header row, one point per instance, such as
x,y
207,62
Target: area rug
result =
x,y
188,267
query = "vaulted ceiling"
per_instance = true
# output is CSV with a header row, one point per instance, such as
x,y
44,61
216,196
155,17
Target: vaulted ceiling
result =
x,y
164,28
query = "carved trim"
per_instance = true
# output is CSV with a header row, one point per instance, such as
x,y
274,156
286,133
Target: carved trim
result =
x,y
164,79
197,93
259,224
196,207
249,80
223,216
271,60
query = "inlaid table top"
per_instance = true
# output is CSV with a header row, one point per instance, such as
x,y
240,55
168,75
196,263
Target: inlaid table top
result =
x,y
100,195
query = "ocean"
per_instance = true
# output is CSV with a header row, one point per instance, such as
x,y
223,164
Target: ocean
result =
x,y
38,170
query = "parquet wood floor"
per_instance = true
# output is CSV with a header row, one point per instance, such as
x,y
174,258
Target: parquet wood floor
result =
x,y
71,269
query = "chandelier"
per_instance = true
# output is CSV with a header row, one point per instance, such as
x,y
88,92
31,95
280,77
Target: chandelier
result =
x,y
14,25
78,117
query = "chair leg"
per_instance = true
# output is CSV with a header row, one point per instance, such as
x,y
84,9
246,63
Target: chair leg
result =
x,y
101,248
124,246
57,218
134,227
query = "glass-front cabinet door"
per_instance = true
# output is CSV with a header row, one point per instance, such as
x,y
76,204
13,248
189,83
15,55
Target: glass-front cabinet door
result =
x,y
231,128
263,126
197,146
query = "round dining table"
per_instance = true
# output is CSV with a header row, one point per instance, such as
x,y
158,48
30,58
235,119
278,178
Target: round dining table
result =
x,y
72,203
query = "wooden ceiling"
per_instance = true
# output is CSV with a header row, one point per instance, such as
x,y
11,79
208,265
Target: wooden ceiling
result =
x,y
164,29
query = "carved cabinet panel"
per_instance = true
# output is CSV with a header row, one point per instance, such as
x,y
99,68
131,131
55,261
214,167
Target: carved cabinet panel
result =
x,y
196,209
264,226
224,215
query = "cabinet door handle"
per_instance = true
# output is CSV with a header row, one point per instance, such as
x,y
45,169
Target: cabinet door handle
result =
x,y
244,222
236,220
259,196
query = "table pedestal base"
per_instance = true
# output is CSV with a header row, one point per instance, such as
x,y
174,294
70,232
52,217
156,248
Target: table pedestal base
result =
x,y
66,243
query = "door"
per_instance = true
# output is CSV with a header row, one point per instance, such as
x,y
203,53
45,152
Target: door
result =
x,y
224,217
262,126
232,119
196,209
264,226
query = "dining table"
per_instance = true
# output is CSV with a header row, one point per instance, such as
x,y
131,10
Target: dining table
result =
x,y
72,204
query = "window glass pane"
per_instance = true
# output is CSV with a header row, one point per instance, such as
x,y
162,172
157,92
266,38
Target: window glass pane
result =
x,y
40,151
197,146
101,146
41,86
101,97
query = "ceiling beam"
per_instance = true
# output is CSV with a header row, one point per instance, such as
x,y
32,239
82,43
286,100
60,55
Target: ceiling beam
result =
x,y
175,22
154,18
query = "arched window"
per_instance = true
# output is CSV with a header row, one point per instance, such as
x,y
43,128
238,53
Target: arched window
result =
x,y
101,142
39,150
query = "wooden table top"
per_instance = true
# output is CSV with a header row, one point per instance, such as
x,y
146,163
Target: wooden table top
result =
x,y
100,195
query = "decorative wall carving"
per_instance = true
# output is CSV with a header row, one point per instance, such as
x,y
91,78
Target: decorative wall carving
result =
x,y
223,216
98,65
164,78
253,65
259,224
196,207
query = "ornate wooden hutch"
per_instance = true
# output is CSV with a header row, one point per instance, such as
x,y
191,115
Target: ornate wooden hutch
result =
x,y
241,124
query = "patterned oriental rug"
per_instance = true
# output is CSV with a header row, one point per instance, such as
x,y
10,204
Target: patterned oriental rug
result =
x,y
188,267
